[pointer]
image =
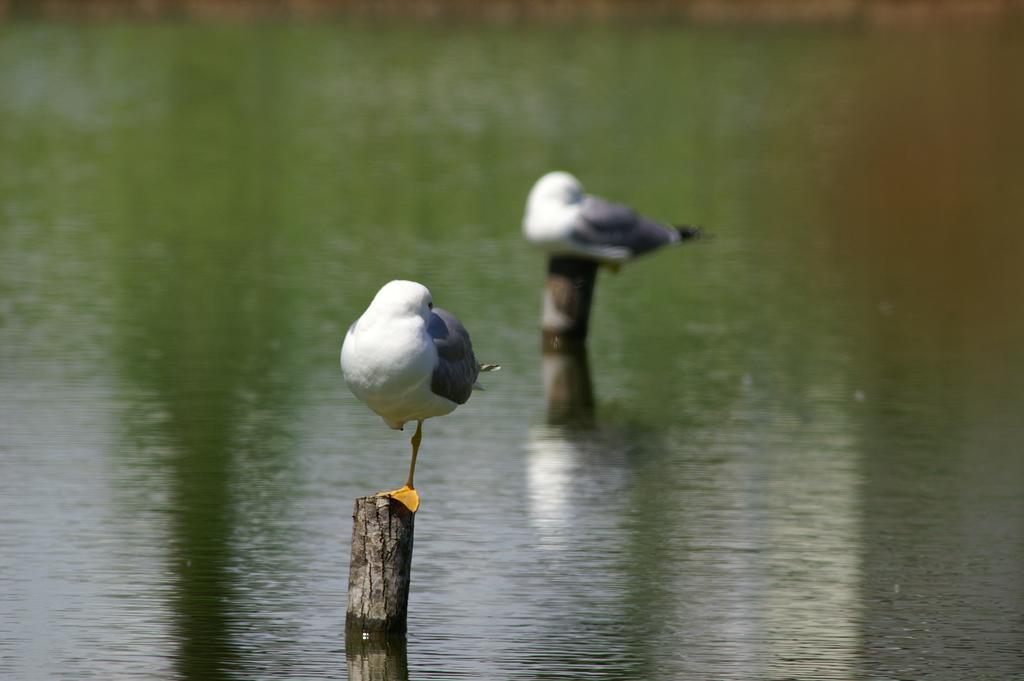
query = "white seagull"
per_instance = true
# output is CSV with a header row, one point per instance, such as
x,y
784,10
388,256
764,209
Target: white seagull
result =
x,y
409,361
564,220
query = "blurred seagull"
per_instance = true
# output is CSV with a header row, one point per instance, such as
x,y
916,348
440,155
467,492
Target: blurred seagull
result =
x,y
409,361
566,221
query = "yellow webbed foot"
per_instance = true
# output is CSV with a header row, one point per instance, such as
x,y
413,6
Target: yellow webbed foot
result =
x,y
408,496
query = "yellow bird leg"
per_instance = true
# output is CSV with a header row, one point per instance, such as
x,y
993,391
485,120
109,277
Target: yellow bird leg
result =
x,y
408,495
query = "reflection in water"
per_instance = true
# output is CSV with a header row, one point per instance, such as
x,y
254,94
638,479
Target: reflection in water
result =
x,y
812,539
744,550
940,359
376,658
568,388
199,342
561,482
775,515
571,478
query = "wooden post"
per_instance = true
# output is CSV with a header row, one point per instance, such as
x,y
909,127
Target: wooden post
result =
x,y
567,298
379,570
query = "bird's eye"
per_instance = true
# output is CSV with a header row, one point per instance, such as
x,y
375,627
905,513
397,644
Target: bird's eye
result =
x,y
430,305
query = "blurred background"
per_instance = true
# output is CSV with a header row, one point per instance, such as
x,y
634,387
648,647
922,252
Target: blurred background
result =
x,y
804,457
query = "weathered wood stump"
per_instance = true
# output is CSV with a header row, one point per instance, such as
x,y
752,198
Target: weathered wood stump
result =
x,y
380,567
567,298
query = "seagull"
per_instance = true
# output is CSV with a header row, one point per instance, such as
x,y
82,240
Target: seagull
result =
x,y
566,221
409,361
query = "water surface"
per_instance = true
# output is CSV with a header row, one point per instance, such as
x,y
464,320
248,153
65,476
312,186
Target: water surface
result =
x,y
804,458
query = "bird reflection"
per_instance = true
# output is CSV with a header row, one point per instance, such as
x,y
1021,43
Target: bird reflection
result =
x,y
572,463
554,459
376,658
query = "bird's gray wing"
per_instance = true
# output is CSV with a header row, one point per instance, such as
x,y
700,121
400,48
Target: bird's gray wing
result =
x,y
457,367
604,223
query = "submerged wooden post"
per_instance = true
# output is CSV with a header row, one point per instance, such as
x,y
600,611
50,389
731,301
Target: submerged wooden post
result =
x,y
567,298
380,567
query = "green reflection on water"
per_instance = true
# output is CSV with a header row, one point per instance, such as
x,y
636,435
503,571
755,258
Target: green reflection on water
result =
x,y
195,213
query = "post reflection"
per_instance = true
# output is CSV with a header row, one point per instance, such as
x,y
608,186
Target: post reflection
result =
x,y
571,465
568,388
555,466
376,658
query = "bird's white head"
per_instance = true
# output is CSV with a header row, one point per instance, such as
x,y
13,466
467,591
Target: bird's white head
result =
x,y
557,188
400,298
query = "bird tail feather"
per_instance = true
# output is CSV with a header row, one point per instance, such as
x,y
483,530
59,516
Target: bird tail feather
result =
x,y
688,231
483,368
